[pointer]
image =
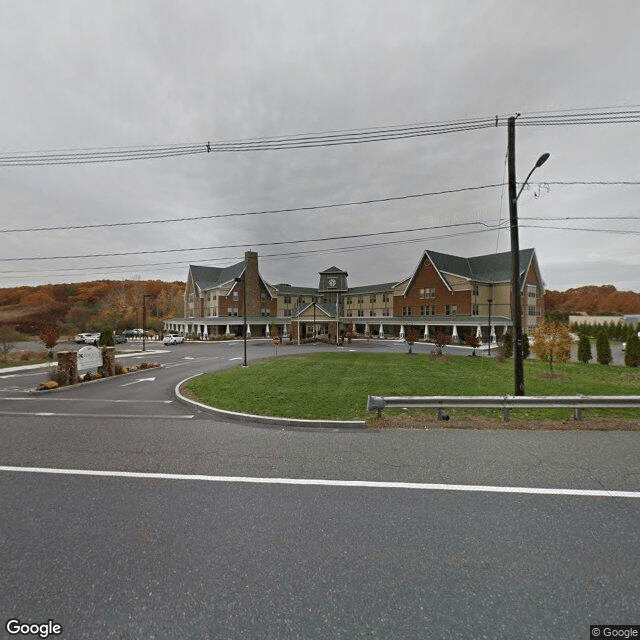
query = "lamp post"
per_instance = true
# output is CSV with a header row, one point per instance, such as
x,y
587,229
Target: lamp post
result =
x,y
314,322
490,300
244,316
516,303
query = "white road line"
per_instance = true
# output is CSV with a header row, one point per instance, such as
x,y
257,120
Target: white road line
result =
x,y
96,415
238,358
60,399
597,493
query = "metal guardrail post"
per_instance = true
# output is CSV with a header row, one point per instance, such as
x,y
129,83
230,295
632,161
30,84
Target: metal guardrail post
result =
x,y
505,409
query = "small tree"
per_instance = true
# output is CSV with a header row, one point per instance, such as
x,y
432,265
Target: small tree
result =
x,y
632,351
411,337
49,335
552,342
507,344
441,341
473,341
584,348
603,348
8,338
526,347
107,339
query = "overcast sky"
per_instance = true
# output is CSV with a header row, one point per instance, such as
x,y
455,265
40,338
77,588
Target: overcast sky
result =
x,y
97,74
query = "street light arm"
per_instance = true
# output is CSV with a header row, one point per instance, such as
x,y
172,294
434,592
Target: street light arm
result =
x,y
541,160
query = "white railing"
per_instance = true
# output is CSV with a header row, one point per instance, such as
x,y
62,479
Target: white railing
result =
x,y
506,403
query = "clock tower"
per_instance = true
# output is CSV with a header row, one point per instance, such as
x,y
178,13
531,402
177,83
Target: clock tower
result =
x,y
332,282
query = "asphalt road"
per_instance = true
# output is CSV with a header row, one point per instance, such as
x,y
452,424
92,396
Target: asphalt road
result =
x,y
228,545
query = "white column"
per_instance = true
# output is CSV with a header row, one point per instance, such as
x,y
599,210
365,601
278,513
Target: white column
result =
x,y
493,334
426,331
381,332
454,335
366,328
401,332
228,329
248,331
479,332
266,330
284,331
205,333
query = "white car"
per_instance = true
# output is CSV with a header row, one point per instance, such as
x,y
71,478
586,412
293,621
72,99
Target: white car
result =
x,y
173,338
82,337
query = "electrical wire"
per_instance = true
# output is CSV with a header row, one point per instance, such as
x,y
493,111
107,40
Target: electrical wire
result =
x,y
254,213
236,246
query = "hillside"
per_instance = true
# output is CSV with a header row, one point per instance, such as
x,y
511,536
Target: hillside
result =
x,y
89,306
593,300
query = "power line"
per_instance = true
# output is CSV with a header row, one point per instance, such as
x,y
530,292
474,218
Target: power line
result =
x,y
255,213
245,244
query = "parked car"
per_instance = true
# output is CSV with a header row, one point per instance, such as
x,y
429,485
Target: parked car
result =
x,y
173,338
120,339
92,338
82,337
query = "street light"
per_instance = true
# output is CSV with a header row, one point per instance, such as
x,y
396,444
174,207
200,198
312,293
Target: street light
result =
x,y
515,252
244,314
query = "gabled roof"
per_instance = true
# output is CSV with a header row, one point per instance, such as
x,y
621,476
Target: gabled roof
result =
x,y
492,268
288,289
333,270
210,277
325,308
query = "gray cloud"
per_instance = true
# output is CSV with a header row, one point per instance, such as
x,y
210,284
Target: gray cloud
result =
x,y
90,74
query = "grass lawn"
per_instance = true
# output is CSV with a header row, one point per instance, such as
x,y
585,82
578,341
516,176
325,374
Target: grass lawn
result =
x,y
334,386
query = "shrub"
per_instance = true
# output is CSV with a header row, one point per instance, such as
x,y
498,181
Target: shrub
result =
x,y
526,347
61,378
107,339
632,351
603,348
507,345
584,348
552,342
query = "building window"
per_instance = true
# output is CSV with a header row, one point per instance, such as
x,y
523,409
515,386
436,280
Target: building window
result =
x,y
287,299
360,313
372,313
532,291
232,311
474,310
349,314
349,299
235,296
532,310
360,299
301,300
424,311
287,313
263,296
373,298
475,290
427,293
265,312
451,310
385,297
406,311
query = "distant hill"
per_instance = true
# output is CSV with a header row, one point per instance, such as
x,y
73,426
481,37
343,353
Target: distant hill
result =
x,y
90,305
593,300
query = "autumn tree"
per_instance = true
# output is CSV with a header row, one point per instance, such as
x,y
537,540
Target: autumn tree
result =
x,y
584,348
603,348
551,342
473,341
8,338
441,341
411,337
49,334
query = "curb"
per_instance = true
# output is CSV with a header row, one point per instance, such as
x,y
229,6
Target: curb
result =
x,y
273,421
69,387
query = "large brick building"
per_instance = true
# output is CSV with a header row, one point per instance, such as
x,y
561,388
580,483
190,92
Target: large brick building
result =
x,y
444,293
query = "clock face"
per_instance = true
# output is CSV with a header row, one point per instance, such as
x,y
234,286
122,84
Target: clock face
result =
x,y
332,282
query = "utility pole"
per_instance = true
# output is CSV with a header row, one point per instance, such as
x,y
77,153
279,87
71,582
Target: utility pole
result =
x,y
516,302
144,320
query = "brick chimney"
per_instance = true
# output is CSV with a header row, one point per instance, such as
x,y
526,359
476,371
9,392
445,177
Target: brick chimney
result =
x,y
252,283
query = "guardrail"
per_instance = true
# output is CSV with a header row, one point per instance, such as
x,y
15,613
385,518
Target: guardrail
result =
x,y
506,403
